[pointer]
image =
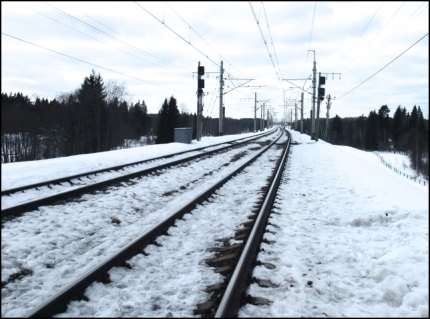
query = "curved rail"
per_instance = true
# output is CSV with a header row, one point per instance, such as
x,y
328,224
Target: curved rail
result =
x,y
234,294
75,290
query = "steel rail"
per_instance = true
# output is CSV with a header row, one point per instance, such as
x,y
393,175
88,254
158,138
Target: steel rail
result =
x,y
57,303
122,166
32,205
234,294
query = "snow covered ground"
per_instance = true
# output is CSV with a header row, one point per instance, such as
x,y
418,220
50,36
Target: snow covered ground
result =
x,y
26,173
59,243
402,164
352,239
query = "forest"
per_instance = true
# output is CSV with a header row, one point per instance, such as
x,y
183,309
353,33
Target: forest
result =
x,y
405,132
100,117
96,117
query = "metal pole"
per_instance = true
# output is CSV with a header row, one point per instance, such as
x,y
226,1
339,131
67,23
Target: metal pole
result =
x,y
199,99
261,117
291,125
328,111
221,83
255,112
301,115
314,70
318,113
295,115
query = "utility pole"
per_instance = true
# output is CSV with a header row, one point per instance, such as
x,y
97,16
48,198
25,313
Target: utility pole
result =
x,y
314,71
291,119
321,92
200,86
328,111
221,111
303,90
255,112
295,115
301,117
261,117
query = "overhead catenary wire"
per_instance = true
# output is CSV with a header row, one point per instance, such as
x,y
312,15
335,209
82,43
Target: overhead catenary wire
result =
x,y
375,36
265,43
360,36
310,38
389,38
157,54
271,39
128,53
162,22
191,28
111,36
93,64
382,67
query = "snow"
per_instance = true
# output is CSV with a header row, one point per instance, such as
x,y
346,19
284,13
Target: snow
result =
x,y
43,170
343,221
402,164
352,239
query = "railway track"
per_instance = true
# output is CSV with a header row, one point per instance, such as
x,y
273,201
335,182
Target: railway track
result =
x,y
18,200
227,294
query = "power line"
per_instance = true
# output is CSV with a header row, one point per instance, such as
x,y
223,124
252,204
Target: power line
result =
x,y
273,46
376,35
202,38
205,55
265,42
110,36
310,37
383,67
388,38
161,57
96,38
360,35
91,63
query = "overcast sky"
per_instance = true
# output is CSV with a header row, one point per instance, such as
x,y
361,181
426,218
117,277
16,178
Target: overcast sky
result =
x,y
128,42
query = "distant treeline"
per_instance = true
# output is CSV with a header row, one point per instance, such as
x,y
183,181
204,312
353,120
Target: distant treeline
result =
x,y
404,132
96,117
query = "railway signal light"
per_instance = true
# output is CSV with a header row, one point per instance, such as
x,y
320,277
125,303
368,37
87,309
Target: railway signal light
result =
x,y
321,91
200,73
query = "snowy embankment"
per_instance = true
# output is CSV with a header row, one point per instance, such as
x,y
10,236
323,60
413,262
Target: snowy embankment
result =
x,y
401,164
352,242
27,173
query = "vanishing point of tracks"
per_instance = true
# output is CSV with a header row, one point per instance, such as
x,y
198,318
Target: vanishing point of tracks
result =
x,y
235,262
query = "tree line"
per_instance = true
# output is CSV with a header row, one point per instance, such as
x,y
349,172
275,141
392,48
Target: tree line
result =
x,y
96,117
406,132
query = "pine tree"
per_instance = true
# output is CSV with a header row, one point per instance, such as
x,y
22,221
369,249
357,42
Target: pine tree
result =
x,y
383,118
414,118
173,119
371,132
162,124
397,127
92,96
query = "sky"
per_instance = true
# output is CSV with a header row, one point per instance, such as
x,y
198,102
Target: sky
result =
x,y
344,242
153,49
